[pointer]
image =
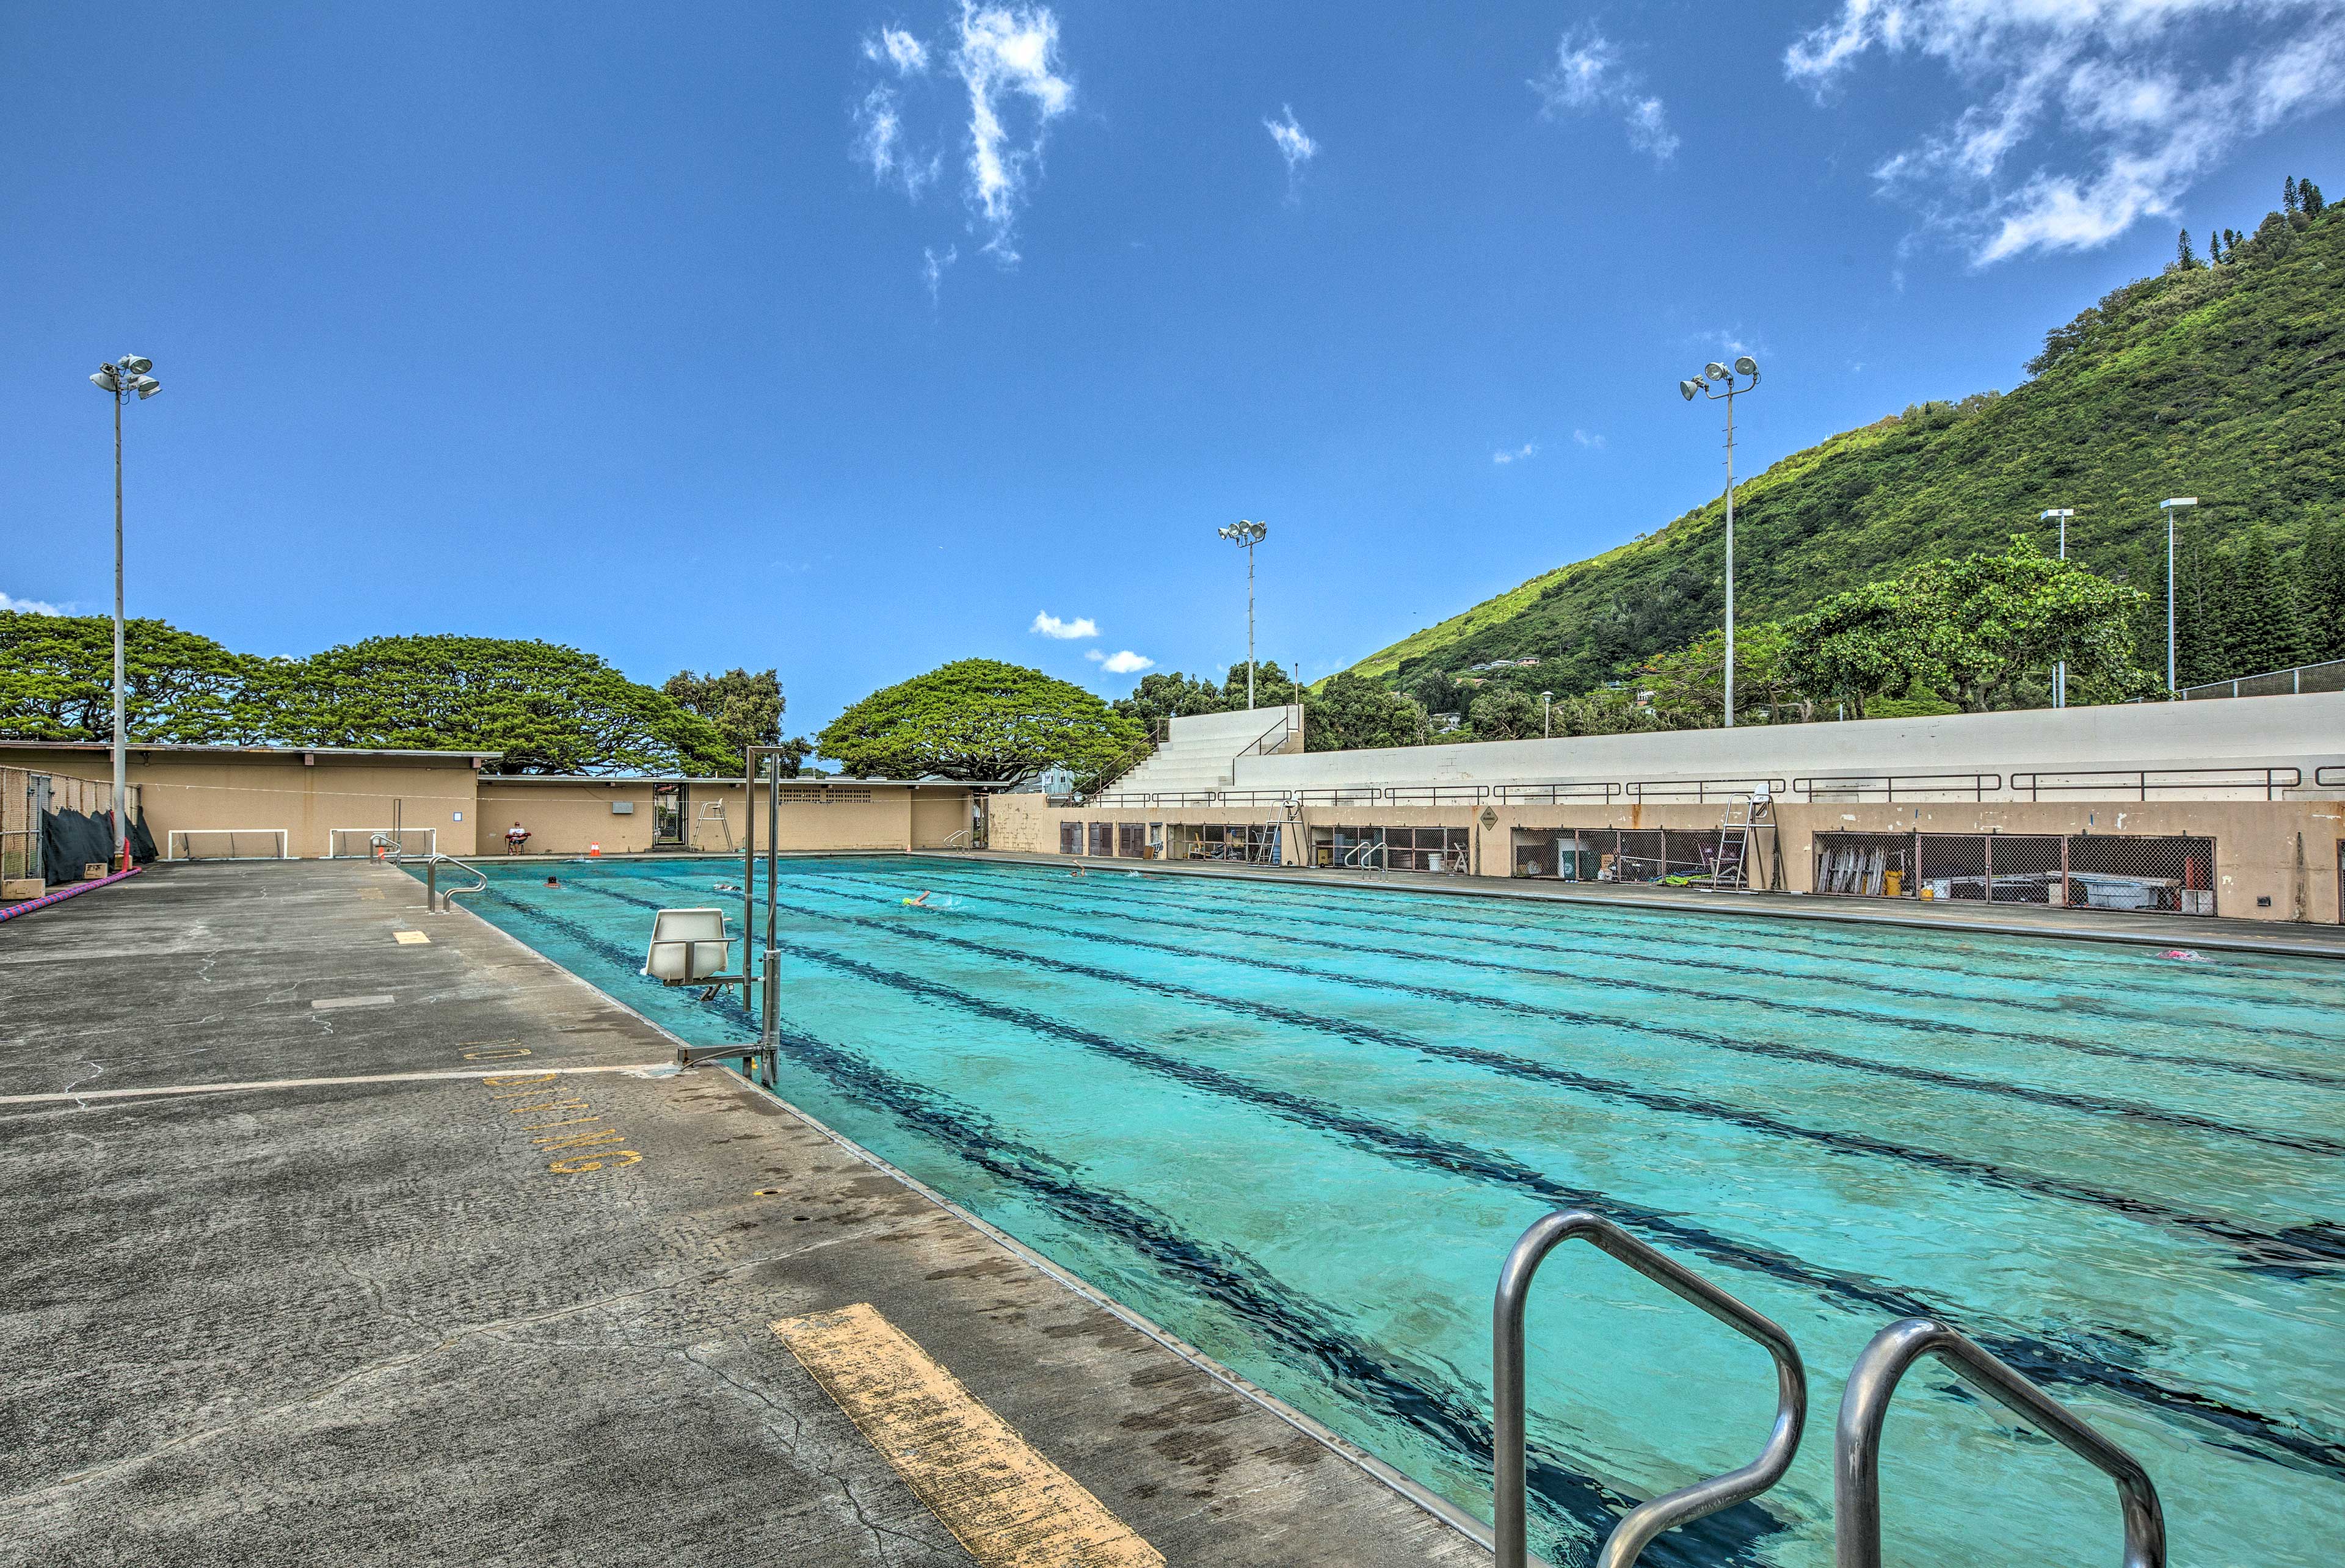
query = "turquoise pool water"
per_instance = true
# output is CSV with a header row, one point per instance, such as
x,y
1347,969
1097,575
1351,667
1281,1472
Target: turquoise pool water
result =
x,y
1301,1126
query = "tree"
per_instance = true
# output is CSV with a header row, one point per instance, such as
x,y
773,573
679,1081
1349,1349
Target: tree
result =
x,y
1970,630
2183,255
1347,713
2266,628
550,709
1689,683
1605,711
1506,714
2307,196
746,709
2287,203
2321,577
980,718
56,682
1160,697
1272,686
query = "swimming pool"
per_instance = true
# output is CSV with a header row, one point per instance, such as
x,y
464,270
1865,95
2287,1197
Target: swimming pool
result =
x,y
1300,1125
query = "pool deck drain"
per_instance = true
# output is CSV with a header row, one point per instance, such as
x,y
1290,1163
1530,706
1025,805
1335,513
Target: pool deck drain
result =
x,y
461,1279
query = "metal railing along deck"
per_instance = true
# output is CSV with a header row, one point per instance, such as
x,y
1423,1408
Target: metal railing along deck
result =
x,y
2143,782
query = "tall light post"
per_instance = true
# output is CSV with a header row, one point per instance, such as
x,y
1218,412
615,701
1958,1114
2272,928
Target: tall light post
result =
x,y
1717,381
2060,669
1546,716
1248,534
117,379
2168,507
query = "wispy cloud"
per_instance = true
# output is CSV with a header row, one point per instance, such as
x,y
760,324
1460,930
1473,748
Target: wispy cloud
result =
x,y
1589,78
29,606
932,268
1123,663
2139,97
1294,145
897,48
1050,625
1587,438
1523,454
1004,59
1008,58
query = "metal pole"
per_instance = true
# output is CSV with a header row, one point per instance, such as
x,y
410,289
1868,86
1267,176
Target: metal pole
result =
x,y
770,1036
748,865
1249,627
2169,601
1730,555
2060,671
121,787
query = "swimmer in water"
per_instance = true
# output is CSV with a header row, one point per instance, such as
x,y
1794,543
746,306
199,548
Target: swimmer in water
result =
x,y
553,882
919,903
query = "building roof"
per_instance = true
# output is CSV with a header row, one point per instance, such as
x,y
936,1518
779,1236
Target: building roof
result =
x,y
809,781
467,754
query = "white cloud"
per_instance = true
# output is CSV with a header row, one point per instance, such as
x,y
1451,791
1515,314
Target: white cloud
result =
x,y
880,144
29,606
1050,625
1589,78
1127,662
932,268
1008,58
1587,440
1523,454
1294,145
899,48
2140,98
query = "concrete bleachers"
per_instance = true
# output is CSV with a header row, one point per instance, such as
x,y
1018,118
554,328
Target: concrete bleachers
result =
x,y
1201,752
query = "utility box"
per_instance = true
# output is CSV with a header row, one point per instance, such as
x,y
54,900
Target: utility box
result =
x,y
622,808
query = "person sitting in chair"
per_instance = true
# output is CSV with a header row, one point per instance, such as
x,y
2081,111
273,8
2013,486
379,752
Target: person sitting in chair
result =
x,y
516,838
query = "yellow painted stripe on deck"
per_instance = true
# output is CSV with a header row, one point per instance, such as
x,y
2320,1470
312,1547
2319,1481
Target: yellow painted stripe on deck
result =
x,y
1006,1504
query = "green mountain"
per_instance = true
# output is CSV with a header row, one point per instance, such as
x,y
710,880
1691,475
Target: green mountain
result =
x,y
2222,380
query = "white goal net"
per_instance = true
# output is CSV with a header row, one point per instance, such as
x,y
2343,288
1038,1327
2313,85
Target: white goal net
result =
x,y
382,843
225,843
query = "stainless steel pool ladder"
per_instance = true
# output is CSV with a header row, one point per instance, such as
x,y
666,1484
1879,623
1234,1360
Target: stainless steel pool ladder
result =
x,y
435,899
1856,1446
1641,1525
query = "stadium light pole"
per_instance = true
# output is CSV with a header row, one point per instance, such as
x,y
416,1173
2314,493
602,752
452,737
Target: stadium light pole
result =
x,y
1714,382
2168,507
1248,534
117,379
1546,716
2060,669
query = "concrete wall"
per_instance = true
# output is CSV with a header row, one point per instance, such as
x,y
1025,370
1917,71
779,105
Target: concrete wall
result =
x,y
565,817
2287,851
1240,726
2305,732
185,790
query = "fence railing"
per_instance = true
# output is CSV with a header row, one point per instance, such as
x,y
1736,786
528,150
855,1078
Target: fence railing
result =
x,y
2144,783
25,796
2329,676
1978,786
1699,791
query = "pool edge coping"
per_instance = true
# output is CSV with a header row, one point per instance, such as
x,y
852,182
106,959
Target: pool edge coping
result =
x,y
1392,1480
1306,876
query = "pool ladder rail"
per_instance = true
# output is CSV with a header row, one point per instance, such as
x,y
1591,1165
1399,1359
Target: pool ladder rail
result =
x,y
1856,1448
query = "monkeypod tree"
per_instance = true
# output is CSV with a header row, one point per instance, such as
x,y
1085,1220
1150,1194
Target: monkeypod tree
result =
x,y
56,682
980,718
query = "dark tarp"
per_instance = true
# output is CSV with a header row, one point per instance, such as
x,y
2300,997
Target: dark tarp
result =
x,y
70,841
142,843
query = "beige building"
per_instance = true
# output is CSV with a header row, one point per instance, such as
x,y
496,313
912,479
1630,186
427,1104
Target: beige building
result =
x,y
260,802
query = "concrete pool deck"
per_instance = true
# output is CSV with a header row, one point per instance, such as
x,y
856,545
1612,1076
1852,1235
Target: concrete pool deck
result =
x,y
320,1245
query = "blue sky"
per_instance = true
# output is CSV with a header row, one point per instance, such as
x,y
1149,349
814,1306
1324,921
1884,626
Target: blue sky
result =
x,y
851,339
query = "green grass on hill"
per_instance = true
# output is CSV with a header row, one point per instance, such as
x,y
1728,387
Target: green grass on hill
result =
x,y
2225,381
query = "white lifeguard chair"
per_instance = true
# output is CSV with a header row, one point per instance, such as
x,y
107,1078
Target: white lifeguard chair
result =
x,y
1739,833
688,946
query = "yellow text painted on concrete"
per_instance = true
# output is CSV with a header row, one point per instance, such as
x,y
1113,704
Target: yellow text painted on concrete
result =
x,y
1006,1504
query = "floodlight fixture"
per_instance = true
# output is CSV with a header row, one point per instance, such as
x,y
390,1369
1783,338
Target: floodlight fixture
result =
x,y
1246,534
1689,388
105,381
1714,370
1746,366
2179,501
136,364
146,387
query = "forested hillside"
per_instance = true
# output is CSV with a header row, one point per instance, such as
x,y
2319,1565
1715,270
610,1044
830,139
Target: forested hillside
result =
x,y
2222,378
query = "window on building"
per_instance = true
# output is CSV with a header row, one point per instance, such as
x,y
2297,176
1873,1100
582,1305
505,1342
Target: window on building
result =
x,y
1071,838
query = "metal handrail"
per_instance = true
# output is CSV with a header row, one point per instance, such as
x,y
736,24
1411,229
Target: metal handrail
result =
x,y
2145,780
966,832
1703,789
1638,1528
1856,1447
1436,794
1357,857
1254,748
1554,792
2321,780
434,897
1979,784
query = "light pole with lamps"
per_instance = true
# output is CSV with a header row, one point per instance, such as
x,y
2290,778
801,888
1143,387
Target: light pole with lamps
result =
x,y
1717,381
2168,507
1546,716
117,379
1248,534
2060,669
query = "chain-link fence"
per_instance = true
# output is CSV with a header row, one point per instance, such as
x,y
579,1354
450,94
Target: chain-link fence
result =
x,y
27,798
2169,876
2328,677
